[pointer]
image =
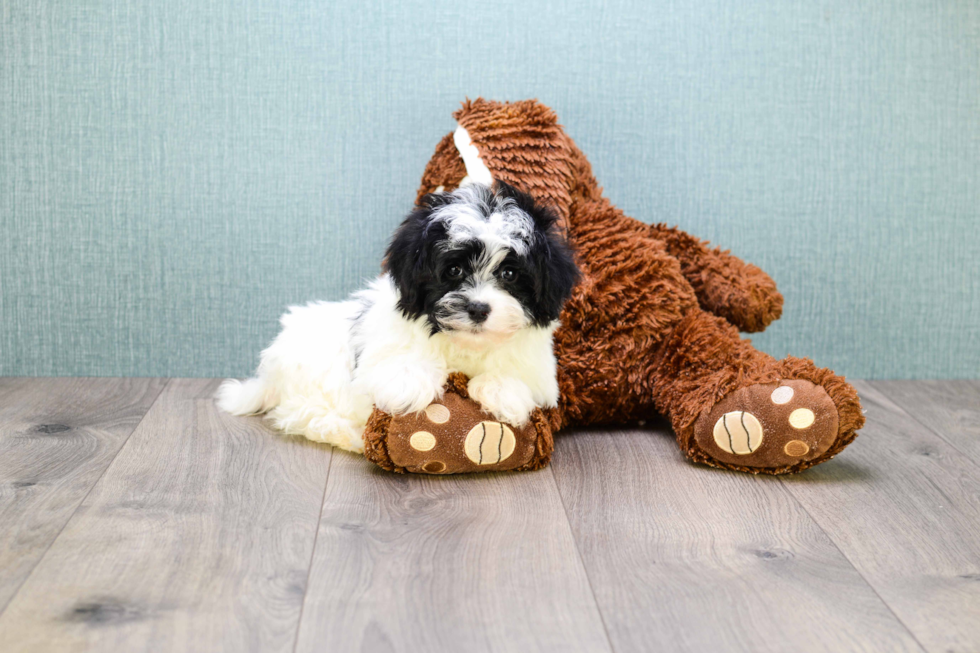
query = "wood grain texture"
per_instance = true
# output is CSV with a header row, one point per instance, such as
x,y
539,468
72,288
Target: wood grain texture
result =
x,y
904,506
450,563
686,558
200,532
950,409
198,537
57,437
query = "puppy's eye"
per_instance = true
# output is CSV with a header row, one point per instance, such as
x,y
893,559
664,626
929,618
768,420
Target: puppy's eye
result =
x,y
454,272
508,274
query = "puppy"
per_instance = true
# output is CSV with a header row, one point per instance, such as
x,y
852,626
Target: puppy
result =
x,y
473,282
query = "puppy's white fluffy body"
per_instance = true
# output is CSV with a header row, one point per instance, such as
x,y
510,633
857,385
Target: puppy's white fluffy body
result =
x,y
470,299
308,383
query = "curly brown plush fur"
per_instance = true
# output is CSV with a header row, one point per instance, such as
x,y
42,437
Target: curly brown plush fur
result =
x,y
653,327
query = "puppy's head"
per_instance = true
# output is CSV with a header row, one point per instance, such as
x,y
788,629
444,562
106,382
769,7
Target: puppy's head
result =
x,y
481,261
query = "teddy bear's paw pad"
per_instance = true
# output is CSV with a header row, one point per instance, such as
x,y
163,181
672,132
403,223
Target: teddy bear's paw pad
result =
x,y
769,425
455,435
738,432
489,443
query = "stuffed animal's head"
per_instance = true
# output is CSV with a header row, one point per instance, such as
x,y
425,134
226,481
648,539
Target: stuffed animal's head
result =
x,y
481,261
520,143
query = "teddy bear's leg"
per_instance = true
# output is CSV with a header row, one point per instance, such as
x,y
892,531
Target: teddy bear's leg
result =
x,y
733,406
725,285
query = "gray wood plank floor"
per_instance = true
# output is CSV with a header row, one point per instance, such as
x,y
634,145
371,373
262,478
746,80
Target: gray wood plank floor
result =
x,y
57,437
684,558
904,507
197,537
950,409
136,517
467,563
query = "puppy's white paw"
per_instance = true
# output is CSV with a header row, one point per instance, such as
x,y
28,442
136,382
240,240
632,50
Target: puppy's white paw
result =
x,y
507,398
406,390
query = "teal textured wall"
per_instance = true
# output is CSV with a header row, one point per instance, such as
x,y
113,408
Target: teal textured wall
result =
x,y
173,174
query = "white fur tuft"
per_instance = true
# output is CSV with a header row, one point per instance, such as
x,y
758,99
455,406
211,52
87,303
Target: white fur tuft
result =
x,y
250,397
477,171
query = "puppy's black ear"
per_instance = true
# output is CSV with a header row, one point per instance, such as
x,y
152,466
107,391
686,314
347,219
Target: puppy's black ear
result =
x,y
555,270
407,258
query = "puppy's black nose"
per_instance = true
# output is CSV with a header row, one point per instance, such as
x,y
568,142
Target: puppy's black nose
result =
x,y
478,311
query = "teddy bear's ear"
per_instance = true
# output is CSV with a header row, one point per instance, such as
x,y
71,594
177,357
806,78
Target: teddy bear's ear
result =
x,y
522,144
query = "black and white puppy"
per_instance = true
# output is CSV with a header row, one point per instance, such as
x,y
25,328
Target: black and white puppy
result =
x,y
473,282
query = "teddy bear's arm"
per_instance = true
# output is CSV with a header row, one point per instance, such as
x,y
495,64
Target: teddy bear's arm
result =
x,y
725,285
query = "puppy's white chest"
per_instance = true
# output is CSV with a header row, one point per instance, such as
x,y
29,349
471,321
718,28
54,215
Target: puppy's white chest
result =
x,y
470,360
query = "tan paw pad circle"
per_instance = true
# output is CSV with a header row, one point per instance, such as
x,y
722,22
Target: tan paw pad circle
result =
x,y
489,443
434,467
738,432
422,441
437,413
796,448
801,418
782,395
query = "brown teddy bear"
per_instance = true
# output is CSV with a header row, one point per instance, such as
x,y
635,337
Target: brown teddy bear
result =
x,y
652,328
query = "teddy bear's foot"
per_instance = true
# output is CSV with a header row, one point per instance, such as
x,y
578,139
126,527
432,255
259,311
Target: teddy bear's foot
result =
x,y
455,435
771,427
